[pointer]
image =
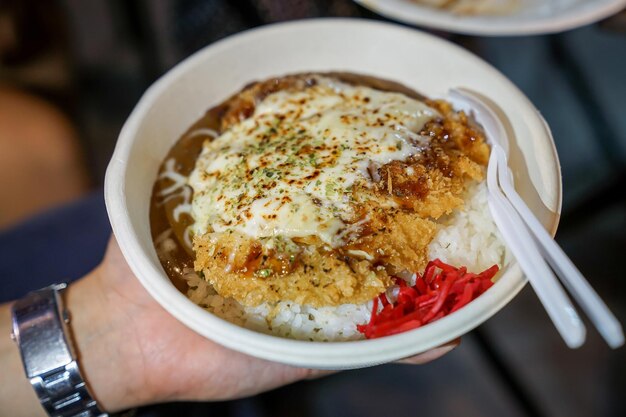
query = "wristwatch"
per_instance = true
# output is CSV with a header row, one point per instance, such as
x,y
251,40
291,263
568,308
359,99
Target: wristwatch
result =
x,y
40,329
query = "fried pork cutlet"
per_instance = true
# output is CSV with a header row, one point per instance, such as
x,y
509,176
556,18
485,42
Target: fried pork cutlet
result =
x,y
318,191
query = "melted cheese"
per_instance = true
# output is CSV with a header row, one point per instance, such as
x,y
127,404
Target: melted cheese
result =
x,y
288,170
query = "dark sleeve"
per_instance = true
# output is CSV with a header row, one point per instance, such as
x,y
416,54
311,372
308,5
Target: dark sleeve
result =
x,y
60,245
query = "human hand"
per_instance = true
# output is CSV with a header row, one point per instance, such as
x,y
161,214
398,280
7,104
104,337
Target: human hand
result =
x,y
132,352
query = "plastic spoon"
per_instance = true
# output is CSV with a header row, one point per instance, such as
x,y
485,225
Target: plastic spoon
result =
x,y
511,205
599,314
518,239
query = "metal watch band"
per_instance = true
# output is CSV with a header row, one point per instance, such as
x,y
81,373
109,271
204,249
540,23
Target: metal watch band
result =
x,y
41,333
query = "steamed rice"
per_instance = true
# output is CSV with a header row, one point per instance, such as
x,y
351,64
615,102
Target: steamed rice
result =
x,y
468,237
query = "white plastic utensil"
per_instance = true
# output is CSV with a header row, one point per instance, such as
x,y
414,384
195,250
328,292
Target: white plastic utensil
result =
x,y
598,312
533,246
542,279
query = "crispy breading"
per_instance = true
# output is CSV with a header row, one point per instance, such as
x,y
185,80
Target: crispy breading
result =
x,y
317,278
395,240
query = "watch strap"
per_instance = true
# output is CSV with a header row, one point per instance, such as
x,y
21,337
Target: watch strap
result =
x,y
63,393
40,329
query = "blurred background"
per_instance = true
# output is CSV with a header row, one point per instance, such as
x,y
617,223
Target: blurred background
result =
x,y
71,72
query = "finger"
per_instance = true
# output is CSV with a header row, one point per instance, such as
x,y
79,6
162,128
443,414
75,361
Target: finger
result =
x,y
430,355
319,373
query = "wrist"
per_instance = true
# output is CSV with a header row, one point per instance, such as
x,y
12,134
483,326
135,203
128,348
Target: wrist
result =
x,y
106,353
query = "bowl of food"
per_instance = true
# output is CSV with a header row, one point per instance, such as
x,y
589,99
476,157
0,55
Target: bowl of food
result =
x,y
304,192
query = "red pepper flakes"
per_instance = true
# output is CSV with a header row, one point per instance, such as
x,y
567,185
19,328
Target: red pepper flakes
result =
x,y
439,291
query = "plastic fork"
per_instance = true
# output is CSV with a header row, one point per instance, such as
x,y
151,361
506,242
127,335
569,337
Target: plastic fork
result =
x,y
531,244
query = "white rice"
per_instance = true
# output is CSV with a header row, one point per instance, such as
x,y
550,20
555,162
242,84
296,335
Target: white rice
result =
x,y
468,237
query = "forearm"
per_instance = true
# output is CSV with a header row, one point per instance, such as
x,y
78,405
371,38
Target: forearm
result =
x,y
17,397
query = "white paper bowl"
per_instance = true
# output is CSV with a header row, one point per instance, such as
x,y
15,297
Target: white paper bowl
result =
x,y
420,61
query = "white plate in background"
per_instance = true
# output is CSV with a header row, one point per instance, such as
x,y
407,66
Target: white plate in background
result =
x,y
533,17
